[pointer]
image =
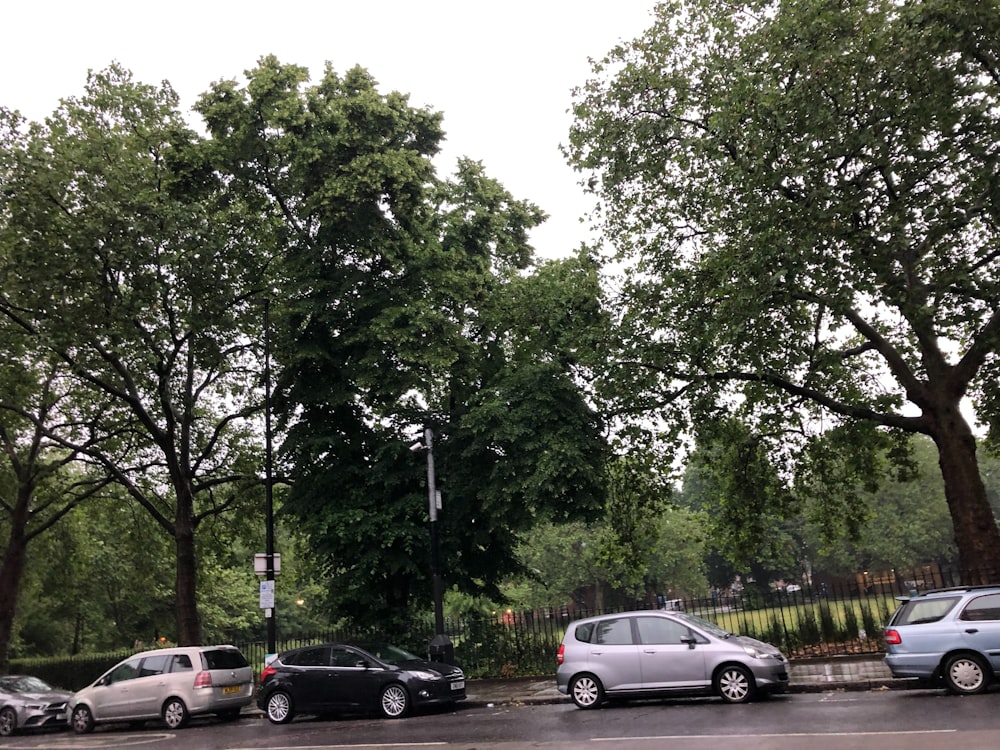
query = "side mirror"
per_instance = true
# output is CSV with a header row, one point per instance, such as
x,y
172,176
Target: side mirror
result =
x,y
689,640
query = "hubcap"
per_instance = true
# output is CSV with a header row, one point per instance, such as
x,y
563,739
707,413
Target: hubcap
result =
x,y
277,707
393,701
734,685
585,692
966,674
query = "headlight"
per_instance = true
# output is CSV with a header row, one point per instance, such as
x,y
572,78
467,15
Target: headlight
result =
x,y
756,653
425,675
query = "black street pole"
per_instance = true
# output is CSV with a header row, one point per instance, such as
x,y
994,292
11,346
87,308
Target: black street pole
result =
x,y
441,648
272,628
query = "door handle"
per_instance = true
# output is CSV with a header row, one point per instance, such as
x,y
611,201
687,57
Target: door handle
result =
x,y
972,630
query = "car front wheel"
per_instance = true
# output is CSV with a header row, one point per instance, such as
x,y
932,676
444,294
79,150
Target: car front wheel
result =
x,y
8,722
175,713
279,707
965,675
395,701
83,720
735,684
586,691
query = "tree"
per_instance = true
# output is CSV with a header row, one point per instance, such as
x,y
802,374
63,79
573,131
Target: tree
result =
x,y
802,195
398,310
128,261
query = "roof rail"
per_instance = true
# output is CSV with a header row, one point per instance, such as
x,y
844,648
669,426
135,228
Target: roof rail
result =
x,y
959,588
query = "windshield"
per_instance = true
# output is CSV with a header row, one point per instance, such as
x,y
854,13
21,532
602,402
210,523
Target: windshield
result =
x,y
388,653
24,684
708,627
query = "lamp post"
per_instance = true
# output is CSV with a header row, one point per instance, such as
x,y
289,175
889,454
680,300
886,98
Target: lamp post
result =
x,y
272,628
441,648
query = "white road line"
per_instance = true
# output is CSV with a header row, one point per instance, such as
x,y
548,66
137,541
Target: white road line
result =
x,y
774,735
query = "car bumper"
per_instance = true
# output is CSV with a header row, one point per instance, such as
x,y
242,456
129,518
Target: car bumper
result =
x,y
771,677
913,665
431,693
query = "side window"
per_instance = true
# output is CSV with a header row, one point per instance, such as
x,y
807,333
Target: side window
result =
x,y
614,632
983,608
314,657
126,671
584,633
660,630
919,611
154,665
180,663
344,658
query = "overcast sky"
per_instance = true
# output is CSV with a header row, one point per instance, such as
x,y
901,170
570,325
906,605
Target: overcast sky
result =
x,y
500,72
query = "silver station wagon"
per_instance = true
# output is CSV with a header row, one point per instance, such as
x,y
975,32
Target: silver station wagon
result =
x,y
656,653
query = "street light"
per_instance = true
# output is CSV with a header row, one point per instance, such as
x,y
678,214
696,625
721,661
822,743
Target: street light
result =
x,y
441,648
272,628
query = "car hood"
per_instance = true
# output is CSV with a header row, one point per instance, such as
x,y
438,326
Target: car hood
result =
x,y
47,696
429,666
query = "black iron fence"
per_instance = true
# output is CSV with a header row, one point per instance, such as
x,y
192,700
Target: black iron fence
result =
x,y
824,616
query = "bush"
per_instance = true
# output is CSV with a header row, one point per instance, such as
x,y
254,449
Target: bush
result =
x,y
827,625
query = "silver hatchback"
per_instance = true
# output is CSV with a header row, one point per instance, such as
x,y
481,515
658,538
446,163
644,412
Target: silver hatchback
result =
x,y
654,653
170,684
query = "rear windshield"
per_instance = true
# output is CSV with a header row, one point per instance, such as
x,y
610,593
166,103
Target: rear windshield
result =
x,y
225,658
919,611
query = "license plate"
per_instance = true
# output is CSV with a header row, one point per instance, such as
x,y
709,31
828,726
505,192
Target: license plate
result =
x,y
230,689
460,685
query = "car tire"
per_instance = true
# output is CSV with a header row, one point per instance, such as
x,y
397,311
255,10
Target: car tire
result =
x,y
586,691
965,674
735,684
8,722
175,713
278,707
394,701
82,720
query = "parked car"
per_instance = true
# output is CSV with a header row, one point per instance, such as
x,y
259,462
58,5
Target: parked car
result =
x,y
171,684
655,653
948,634
354,678
28,702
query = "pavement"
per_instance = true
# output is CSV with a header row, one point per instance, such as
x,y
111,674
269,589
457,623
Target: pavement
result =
x,y
805,676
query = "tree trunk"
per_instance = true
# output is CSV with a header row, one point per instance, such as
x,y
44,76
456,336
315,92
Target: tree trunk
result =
x,y
188,619
975,527
12,570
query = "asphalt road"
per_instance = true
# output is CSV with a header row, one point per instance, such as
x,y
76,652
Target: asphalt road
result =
x,y
882,720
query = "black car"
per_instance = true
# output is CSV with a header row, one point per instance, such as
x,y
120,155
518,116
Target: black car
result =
x,y
354,678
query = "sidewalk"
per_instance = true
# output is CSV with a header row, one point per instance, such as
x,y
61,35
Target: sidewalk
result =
x,y
805,676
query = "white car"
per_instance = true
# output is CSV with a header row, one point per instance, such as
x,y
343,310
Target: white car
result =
x,y
170,684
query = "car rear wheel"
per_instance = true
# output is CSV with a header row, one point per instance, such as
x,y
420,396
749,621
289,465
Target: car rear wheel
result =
x,y
279,707
735,684
8,722
175,713
965,674
395,701
586,691
83,720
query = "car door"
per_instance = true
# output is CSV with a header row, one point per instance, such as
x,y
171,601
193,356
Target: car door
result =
x,y
614,655
148,688
980,626
356,685
314,690
113,696
670,654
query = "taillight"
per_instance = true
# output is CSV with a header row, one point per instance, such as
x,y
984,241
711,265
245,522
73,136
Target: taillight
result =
x,y
203,680
561,656
266,672
892,637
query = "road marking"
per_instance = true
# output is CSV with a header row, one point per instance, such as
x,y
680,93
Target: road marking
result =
x,y
92,742
774,735
353,745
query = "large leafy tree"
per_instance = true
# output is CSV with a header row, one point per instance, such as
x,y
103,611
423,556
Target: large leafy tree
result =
x,y
126,260
400,307
803,193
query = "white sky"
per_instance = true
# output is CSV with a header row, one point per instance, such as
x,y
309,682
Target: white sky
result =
x,y
500,72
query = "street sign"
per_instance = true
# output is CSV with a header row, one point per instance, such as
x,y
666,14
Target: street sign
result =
x,y
267,594
260,564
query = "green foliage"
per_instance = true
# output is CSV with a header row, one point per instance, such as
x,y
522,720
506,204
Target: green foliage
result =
x,y
408,301
800,197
